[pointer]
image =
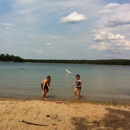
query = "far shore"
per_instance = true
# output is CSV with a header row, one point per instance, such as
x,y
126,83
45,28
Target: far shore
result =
x,y
12,58
33,114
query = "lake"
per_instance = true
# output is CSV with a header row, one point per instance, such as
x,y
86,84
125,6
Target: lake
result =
x,y
100,82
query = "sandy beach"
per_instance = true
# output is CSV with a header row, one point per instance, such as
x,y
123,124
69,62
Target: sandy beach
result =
x,y
16,114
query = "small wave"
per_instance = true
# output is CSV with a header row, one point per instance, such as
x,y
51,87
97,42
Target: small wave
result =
x,y
21,68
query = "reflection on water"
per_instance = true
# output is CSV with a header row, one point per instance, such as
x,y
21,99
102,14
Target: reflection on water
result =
x,y
21,68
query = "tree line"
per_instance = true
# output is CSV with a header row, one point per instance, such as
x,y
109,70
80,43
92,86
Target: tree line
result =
x,y
12,58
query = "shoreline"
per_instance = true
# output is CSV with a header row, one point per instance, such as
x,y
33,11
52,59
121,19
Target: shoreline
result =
x,y
78,101
101,64
40,99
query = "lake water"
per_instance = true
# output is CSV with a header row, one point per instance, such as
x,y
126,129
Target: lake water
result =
x,y
100,82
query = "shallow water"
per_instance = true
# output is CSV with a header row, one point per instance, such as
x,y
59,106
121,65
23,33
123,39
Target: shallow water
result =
x,y
100,82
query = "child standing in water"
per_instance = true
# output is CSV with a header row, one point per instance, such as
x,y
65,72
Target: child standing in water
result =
x,y
44,86
78,83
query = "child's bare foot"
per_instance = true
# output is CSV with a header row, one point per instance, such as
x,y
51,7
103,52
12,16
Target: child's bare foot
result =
x,y
45,98
76,97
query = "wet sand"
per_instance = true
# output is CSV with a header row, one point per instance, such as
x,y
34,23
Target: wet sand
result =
x,y
25,114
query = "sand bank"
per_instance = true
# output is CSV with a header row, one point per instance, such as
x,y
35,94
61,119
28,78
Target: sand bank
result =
x,y
47,115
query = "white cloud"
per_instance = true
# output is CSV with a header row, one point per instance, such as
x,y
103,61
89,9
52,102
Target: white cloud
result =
x,y
38,52
112,5
26,1
48,44
115,14
108,36
44,6
109,8
105,11
55,38
111,34
101,47
7,24
74,17
115,37
110,42
8,28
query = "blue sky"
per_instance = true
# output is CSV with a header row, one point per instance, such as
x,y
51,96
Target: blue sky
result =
x,y
65,29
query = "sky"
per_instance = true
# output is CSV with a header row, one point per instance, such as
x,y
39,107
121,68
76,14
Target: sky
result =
x,y
65,29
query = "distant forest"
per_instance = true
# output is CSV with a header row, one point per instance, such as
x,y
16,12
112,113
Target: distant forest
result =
x,y
12,58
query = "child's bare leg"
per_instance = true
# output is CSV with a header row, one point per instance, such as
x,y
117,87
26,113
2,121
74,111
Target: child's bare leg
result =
x,y
44,96
75,90
79,91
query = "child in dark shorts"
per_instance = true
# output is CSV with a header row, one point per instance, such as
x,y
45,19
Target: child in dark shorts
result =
x,y
44,86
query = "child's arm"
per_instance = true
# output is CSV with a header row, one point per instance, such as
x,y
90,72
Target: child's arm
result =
x,y
73,84
49,86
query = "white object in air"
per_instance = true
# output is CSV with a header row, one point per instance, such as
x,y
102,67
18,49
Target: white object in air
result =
x,y
68,71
